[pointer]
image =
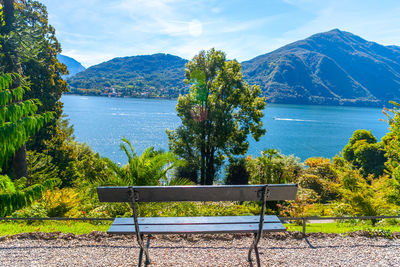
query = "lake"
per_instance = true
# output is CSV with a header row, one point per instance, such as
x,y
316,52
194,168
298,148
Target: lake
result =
x,y
302,130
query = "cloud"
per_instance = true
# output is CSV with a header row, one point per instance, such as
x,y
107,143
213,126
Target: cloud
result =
x,y
371,20
93,31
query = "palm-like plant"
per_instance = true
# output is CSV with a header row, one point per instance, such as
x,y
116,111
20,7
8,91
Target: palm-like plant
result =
x,y
150,168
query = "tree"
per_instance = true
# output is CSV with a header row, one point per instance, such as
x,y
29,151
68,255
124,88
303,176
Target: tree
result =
x,y
43,68
10,64
28,46
18,118
358,135
364,153
217,114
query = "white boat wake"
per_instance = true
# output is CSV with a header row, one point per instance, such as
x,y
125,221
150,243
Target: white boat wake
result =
x,y
288,119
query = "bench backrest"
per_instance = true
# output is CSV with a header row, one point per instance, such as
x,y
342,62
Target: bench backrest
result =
x,y
197,193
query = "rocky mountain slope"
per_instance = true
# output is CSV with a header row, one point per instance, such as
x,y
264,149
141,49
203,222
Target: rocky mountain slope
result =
x,y
73,66
334,67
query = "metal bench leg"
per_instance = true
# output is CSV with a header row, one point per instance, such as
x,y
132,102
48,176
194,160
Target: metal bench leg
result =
x,y
139,236
257,256
140,254
258,235
254,246
147,261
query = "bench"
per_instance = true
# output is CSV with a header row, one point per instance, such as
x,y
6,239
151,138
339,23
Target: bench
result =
x,y
196,225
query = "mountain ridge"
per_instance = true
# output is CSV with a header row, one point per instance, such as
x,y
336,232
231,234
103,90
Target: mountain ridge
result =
x,y
73,65
329,68
154,75
334,67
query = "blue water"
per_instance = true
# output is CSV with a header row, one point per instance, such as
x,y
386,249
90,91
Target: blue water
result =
x,y
302,130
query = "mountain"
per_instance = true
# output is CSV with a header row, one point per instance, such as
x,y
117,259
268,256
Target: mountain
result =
x,y
334,67
330,68
158,75
72,65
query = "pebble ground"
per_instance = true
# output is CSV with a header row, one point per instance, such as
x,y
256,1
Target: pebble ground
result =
x,y
99,249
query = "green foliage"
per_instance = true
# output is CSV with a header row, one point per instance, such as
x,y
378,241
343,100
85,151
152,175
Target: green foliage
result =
x,y
273,168
61,203
75,162
37,50
391,145
158,75
358,135
365,153
40,167
370,158
6,185
236,172
55,227
10,202
217,115
18,118
150,168
187,171
36,210
178,209
302,206
357,197
321,177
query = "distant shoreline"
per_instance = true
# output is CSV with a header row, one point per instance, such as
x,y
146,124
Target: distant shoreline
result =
x,y
278,102
137,97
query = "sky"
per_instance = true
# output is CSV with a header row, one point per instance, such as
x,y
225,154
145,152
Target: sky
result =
x,y
94,31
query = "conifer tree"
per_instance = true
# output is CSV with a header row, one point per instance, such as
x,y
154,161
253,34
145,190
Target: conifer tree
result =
x,y
18,118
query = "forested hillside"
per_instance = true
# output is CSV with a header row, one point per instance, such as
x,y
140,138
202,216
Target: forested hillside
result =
x,y
158,75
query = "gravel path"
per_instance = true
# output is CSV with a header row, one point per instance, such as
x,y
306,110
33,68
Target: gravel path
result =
x,y
200,250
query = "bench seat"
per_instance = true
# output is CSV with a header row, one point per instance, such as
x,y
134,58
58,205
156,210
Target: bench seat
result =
x,y
141,226
196,225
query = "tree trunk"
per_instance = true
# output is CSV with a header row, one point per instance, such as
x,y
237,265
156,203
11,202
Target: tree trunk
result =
x,y
20,163
210,171
203,166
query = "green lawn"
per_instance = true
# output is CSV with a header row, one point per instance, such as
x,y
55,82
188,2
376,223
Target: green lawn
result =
x,y
11,228
340,228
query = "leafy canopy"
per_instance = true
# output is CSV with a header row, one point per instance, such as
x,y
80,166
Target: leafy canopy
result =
x,y
217,114
365,153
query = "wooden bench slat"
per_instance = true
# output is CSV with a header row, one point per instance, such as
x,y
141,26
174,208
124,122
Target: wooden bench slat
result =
x,y
197,220
195,228
197,193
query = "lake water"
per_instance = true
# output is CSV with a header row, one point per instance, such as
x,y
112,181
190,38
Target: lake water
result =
x,y
302,130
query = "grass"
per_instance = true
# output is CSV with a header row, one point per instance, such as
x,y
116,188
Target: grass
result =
x,y
341,228
78,228
12,228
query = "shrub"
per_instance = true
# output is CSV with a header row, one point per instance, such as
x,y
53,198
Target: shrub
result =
x,y
6,185
10,202
37,210
236,172
273,168
61,202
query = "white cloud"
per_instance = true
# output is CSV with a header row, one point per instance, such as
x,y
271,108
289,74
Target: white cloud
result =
x,y
93,31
